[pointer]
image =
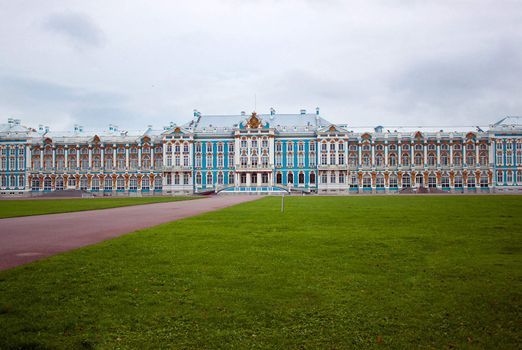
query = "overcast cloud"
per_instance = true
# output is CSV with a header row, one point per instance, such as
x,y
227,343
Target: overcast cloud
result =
x,y
364,63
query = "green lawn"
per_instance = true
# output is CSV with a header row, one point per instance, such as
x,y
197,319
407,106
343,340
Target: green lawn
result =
x,y
26,207
331,272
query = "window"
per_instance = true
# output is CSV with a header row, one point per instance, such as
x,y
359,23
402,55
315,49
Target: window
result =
x,y
231,179
432,181
209,147
379,181
47,184
198,178
145,183
323,159
457,159
59,183
176,179
393,160
220,179
254,143
353,181
35,184
209,160
406,180
509,177
264,143
133,183
312,177
431,160
198,147
21,181
471,181
71,182
445,181
312,146
379,160
290,178
458,181
444,159
500,177
278,147
209,178
332,177
158,183
367,181
366,160
484,181
332,158
83,183
323,146
393,181
405,159
107,184
290,160
120,183
220,147
312,160
341,158
290,146
418,159
95,183
324,178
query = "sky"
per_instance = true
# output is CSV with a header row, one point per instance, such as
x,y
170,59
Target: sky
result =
x,y
364,63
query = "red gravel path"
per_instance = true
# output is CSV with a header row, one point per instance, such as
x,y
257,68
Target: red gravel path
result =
x,y
29,238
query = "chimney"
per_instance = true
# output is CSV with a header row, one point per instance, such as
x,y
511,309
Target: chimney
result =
x,y
272,111
10,121
303,111
316,110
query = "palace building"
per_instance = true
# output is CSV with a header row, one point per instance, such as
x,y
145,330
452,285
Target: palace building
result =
x,y
261,153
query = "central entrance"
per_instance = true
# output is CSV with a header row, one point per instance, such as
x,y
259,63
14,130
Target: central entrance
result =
x,y
255,179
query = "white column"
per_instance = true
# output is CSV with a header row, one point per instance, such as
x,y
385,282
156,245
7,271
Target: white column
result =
x,y
102,157
451,153
54,157
359,159
425,146
477,160
114,156
90,157
438,152
373,153
77,158
127,156
41,158
28,157
399,157
386,154
139,156
152,155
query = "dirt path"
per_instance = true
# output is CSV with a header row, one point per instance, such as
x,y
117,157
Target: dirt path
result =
x,y
29,238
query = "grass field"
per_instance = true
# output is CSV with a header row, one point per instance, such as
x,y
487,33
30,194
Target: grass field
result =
x,y
329,272
26,207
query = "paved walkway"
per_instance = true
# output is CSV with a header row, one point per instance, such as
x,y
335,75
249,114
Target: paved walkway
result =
x,y
29,238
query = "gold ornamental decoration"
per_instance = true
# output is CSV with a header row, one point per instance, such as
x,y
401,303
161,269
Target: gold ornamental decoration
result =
x,y
254,121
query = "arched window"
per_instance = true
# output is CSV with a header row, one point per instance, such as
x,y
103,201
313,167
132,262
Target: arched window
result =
x,y
458,181
484,181
95,183
418,159
279,178
393,160
83,183
445,182
406,180
48,184
312,177
301,179
120,183
158,183
366,160
107,183
471,181
393,181
419,180
133,183
290,178
406,159
231,179
35,184
432,181
145,183
59,183
324,178
367,181
198,178
379,160
220,178
209,178
379,181
431,159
